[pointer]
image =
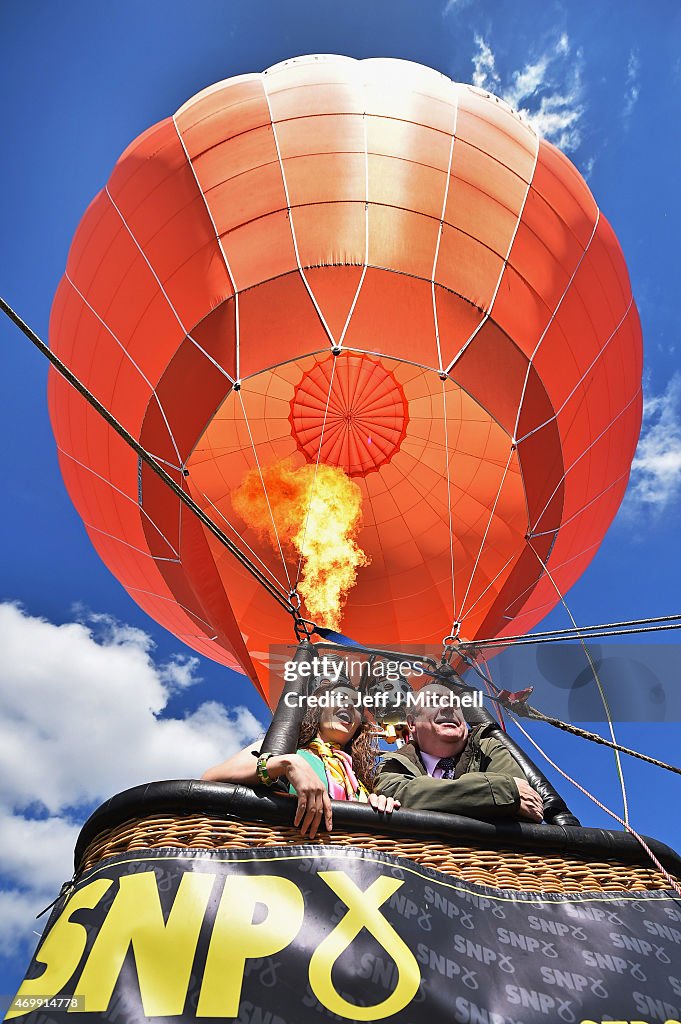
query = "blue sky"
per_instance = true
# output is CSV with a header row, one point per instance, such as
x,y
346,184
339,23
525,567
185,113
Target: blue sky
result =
x,y
95,697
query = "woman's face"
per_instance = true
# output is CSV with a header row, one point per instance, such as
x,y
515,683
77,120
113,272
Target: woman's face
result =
x,y
340,721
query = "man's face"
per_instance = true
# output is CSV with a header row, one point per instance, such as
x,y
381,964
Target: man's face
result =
x,y
440,728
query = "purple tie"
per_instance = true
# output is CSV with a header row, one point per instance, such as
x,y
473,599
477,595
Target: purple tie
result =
x,y
448,764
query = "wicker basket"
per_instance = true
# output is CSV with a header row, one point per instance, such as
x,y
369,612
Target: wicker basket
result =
x,y
502,868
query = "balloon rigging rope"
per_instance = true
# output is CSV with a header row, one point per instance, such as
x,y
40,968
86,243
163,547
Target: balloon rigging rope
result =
x,y
366,230
162,288
343,332
449,505
237,317
440,230
148,459
165,294
504,265
439,358
127,497
607,629
147,554
601,691
237,323
220,245
486,676
470,339
264,487
490,585
597,497
619,628
314,478
581,380
536,715
546,330
594,737
527,711
577,461
645,625
127,355
255,555
624,822
487,528
289,213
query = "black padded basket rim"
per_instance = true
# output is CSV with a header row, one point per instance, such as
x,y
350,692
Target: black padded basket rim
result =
x,y
226,801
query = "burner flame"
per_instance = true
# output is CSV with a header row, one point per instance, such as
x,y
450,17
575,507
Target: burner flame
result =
x,y
318,516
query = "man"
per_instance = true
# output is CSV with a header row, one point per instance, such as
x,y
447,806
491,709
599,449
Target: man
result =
x,y
449,768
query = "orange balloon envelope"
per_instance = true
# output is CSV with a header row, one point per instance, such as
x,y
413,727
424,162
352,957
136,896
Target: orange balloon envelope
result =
x,y
364,265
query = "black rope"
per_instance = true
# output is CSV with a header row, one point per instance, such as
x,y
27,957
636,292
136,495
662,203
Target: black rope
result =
x,y
525,710
577,631
144,455
522,708
550,636
574,730
585,633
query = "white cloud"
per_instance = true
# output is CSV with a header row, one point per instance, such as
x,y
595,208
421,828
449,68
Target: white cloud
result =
x,y
17,925
588,168
23,845
82,717
547,91
526,82
485,74
656,469
633,87
455,5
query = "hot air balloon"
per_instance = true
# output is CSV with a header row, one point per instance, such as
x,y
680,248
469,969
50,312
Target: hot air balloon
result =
x,y
383,344
360,265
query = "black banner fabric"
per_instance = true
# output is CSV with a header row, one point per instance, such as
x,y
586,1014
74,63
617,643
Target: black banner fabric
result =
x,y
305,935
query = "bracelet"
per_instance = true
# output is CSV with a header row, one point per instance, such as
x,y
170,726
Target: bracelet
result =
x,y
261,770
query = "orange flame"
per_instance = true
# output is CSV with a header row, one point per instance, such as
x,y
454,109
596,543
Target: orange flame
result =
x,y
319,517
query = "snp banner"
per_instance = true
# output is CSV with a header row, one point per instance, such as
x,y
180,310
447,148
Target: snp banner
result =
x,y
302,934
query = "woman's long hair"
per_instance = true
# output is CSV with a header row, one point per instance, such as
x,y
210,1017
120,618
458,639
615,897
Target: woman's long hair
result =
x,y
362,748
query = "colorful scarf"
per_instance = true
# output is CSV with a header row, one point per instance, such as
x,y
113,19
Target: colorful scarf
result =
x,y
343,784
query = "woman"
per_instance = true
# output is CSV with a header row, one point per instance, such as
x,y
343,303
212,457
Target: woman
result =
x,y
335,760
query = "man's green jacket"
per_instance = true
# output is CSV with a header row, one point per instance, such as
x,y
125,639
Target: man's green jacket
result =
x,y
482,786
